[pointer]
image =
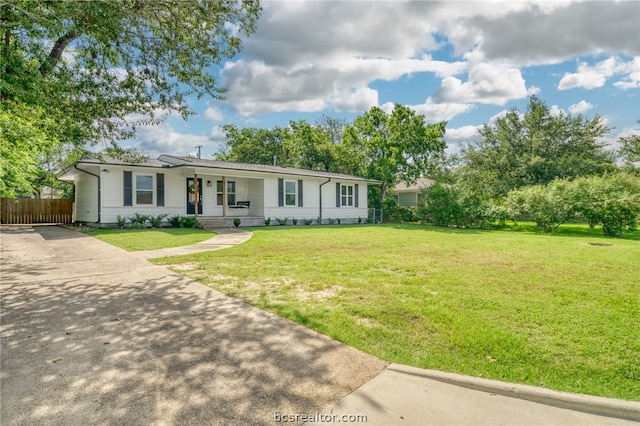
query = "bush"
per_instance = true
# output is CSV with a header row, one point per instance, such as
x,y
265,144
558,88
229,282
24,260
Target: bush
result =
x,y
392,212
176,221
267,221
319,220
331,221
282,221
156,221
294,221
236,222
138,220
188,222
359,219
120,221
307,221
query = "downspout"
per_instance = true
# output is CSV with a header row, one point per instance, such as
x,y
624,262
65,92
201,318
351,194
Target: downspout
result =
x,y
75,166
321,185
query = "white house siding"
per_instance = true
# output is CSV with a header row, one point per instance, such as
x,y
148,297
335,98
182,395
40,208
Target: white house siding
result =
x,y
86,202
113,196
311,200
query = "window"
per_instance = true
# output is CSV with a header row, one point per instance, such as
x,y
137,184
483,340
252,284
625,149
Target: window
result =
x,y
231,193
290,193
144,189
346,193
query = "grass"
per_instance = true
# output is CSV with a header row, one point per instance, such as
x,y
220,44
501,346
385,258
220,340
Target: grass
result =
x,y
546,310
150,239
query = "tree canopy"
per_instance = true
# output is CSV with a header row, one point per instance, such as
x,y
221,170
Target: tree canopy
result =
x,y
534,149
392,148
94,70
98,62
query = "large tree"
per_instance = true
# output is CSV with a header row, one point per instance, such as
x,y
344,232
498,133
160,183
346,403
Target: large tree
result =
x,y
97,69
534,149
392,147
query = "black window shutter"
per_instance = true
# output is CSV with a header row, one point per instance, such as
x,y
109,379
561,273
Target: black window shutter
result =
x,y
160,189
280,192
355,195
127,189
300,193
338,194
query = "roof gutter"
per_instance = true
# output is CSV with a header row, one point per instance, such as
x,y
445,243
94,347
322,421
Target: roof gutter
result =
x,y
75,166
321,185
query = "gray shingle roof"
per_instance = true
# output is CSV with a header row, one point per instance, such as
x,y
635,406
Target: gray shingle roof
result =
x,y
171,161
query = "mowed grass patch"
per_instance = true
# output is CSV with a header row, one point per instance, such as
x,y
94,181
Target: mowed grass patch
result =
x,y
150,239
546,310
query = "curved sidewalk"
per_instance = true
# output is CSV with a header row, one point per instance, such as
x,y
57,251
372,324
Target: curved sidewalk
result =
x,y
225,238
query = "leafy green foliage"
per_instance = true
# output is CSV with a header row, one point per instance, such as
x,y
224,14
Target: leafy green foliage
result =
x,y
282,220
97,62
548,205
138,220
121,221
534,149
392,148
612,201
175,221
237,221
85,72
156,221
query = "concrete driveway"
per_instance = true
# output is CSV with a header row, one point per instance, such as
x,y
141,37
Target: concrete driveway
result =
x,y
91,334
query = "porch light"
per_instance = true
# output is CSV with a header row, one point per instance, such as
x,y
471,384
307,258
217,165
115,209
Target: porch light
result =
x,y
209,184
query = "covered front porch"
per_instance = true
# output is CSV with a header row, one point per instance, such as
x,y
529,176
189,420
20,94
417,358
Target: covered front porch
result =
x,y
219,199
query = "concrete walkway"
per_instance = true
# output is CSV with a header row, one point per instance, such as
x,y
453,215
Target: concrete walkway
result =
x,y
91,334
225,238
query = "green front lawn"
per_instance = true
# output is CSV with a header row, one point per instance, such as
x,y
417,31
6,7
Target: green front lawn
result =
x,y
150,239
559,311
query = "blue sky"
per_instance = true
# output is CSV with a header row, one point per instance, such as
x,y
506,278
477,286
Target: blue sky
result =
x,y
461,62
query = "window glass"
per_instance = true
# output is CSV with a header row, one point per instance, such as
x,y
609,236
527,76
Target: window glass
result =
x,y
346,198
144,189
231,193
290,193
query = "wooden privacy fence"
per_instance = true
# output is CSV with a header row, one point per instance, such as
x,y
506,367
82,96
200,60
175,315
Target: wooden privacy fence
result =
x,y
38,210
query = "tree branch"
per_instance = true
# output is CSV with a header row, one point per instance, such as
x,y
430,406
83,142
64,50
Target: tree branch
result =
x,y
56,52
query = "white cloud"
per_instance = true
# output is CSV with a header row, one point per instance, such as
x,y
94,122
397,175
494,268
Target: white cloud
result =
x,y
487,83
580,107
463,133
436,112
556,111
212,114
356,99
632,80
596,75
164,139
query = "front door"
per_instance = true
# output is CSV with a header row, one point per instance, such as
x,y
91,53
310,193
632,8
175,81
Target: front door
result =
x,y
191,196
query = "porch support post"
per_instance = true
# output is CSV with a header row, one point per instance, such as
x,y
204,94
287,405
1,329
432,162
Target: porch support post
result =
x,y
224,196
195,186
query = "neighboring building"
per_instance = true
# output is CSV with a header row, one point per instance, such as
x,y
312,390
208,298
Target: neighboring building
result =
x,y
109,188
409,195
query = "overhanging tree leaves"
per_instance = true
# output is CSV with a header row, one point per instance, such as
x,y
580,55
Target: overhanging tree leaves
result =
x,y
98,62
94,70
392,148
